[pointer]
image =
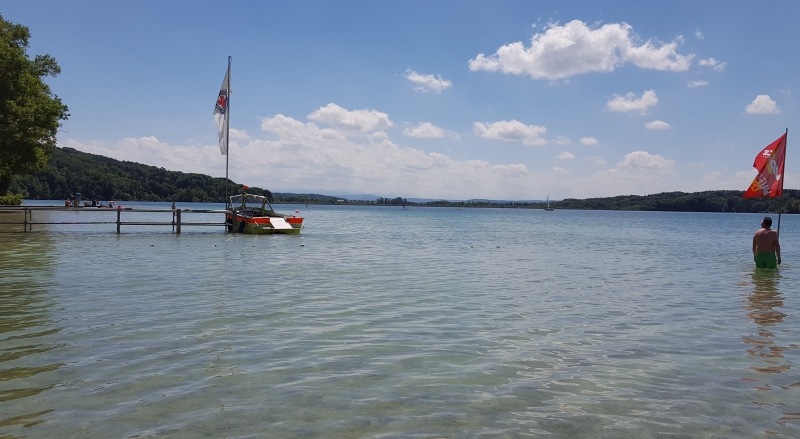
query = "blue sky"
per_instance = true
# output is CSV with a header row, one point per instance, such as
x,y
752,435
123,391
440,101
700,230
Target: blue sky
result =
x,y
446,99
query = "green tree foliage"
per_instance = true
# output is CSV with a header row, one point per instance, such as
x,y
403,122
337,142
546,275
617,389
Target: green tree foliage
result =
x,y
30,114
11,200
397,201
103,178
707,201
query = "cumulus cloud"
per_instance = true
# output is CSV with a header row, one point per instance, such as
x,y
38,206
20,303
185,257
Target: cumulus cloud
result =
x,y
424,130
427,130
292,155
630,103
718,66
428,82
657,125
589,141
641,160
150,150
294,131
597,161
575,48
565,155
560,140
352,120
698,83
638,173
762,104
511,131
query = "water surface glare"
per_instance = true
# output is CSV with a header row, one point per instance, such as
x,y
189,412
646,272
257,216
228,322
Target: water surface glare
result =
x,y
381,322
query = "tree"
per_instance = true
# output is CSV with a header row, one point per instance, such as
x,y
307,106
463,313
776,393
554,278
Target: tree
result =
x,y
30,114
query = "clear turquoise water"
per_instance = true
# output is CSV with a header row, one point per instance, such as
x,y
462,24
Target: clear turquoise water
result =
x,y
388,323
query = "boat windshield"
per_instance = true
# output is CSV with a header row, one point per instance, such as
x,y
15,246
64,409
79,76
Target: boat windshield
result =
x,y
249,201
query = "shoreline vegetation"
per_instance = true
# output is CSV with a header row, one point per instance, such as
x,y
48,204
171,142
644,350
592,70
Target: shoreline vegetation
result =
x,y
102,178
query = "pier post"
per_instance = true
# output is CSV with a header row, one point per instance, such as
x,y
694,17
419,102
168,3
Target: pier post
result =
x,y
119,212
178,219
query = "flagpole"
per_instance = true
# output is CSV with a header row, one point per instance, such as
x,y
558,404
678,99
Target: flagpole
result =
x,y
227,132
780,208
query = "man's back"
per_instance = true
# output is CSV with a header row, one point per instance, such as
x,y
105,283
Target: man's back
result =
x,y
765,240
766,248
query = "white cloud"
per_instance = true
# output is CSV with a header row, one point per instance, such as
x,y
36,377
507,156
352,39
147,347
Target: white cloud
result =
x,y
597,161
150,150
718,66
295,131
657,125
427,130
575,48
428,82
589,141
511,131
739,180
762,104
565,155
356,120
630,103
560,140
638,173
291,155
641,160
698,83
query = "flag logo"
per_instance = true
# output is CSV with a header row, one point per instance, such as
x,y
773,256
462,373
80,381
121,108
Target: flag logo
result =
x,y
769,163
222,102
221,112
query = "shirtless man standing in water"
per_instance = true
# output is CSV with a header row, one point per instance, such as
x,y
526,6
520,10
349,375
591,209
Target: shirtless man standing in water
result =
x,y
766,249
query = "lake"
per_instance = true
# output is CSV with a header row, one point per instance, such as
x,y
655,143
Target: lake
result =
x,y
384,322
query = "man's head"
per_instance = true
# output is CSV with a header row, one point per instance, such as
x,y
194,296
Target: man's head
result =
x,y
767,222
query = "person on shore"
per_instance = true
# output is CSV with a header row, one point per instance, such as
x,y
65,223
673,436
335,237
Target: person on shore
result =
x,y
766,248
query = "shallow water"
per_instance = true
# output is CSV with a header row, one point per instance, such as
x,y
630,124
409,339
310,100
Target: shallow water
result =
x,y
379,322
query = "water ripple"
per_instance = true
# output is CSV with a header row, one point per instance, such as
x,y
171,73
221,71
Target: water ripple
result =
x,y
372,328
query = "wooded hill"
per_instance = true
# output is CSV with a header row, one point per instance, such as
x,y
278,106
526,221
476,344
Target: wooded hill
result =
x,y
102,178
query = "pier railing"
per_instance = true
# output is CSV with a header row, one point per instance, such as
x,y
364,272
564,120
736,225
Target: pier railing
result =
x,y
7,216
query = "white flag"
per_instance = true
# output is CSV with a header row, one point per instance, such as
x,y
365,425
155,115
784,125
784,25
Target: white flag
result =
x,y
221,113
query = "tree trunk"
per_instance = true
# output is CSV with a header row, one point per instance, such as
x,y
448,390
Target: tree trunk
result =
x,y
5,184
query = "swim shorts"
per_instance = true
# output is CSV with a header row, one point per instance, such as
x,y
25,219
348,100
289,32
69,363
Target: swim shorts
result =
x,y
766,260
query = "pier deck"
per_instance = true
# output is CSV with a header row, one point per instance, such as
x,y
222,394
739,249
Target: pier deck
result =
x,y
113,216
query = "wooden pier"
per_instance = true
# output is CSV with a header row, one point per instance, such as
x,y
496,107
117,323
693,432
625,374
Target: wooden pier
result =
x,y
177,217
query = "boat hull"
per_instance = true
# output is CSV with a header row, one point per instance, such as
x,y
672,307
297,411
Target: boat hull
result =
x,y
264,225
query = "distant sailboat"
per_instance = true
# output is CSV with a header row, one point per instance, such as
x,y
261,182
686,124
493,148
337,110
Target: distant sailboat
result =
x,y
548,208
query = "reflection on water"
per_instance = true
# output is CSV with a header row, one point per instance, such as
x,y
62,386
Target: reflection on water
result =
x,y
764,306
26,329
